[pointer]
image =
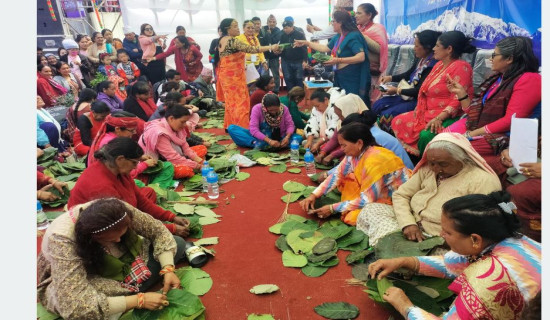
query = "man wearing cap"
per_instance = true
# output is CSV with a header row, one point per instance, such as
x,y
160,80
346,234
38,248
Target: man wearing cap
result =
x,y
272,35
131,45
293,59
80,66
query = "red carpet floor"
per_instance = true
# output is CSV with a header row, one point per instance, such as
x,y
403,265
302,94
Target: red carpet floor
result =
x,y
246,256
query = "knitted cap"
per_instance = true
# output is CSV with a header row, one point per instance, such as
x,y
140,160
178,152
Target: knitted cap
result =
x,y
69,44
127,29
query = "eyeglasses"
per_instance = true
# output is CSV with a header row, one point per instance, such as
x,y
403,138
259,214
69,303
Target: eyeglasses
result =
x,y
494,55
148,29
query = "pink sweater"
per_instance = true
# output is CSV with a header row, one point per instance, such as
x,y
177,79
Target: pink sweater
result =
x,y
148,46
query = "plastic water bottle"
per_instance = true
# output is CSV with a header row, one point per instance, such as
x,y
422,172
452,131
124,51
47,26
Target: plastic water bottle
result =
x,y
310,163
41,219
294,152
204,172
213,190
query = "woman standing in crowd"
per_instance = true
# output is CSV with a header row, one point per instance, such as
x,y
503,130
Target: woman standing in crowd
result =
x,y
165,139
496,270
107,93
270,125
68,80
187,57
80,66
398,100
99,46
50,91
180,31
84,42
95,249
83,105
249,37
368,174
264,84
437,107
151,44
377,42
109,176
348,50
232,87
87,127
140,102
449,168
114,43
515,88
294,97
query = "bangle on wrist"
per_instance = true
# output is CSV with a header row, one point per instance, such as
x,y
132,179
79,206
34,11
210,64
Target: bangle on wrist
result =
x,y
331,208
140,300
167,269
463,98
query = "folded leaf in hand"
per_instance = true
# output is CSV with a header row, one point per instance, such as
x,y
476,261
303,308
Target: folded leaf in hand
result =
x,y
383,285
337,310
183,305
264,288
62,200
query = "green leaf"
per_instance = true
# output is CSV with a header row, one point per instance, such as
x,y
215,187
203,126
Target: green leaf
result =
x,y
204,221
430,243
360,271
183,305
241,176
358,256
184,209
264,161
43,314
205,212
395,245
63,198
280,168
276,228
172,195
321,166
293,197
295,217
330,262
195,280
353,237
336,231
318,259
324,246
281,243
291,225
307,191
314,271
155,169
52,215
264,288
290,259
255,316
206,241
419,298
363,245
300,245
294,170
337,310
187,193
293,186
383,285
70,177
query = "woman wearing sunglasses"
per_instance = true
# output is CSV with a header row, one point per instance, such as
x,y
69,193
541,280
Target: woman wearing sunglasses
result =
x,y
152,44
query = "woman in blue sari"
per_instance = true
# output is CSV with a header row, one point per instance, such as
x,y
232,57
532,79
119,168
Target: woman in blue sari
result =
x,y
348,51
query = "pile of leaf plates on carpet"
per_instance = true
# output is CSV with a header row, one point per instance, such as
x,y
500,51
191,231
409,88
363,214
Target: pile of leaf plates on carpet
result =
x,y
314,248
215,119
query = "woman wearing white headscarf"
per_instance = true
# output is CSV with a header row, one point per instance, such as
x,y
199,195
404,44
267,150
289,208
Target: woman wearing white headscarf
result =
x,y
449,168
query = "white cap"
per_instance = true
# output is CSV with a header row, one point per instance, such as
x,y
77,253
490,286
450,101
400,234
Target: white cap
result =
x,y
127,29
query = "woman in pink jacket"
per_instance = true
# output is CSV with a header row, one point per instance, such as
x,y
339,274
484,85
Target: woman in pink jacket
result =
x,y
152,44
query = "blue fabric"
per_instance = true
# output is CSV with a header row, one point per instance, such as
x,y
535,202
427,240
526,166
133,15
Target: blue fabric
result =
x,y
243,138
293,74
130,46
53,136
389,142
353,78
392,106
41,136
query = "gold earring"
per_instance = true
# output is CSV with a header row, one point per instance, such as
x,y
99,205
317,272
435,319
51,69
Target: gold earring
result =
x,y
474,244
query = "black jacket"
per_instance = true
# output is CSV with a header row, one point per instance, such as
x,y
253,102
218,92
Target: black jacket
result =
x,y
290,54
269,38
412,92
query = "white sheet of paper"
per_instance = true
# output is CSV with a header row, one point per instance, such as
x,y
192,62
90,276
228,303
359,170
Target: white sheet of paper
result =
x,y
523,140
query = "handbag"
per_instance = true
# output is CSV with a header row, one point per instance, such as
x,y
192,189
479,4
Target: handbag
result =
x,y
403,84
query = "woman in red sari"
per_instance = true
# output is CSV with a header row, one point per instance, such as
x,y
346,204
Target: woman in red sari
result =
x,y
437,107
377,39
187,57
232,89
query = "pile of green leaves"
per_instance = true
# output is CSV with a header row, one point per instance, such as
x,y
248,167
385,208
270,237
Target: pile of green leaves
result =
x,y
321,57
429,293
156,169
225,168
61,201
210,137
266,158
337,310
47,158
314,248
298,191
395,245
194,183
183,305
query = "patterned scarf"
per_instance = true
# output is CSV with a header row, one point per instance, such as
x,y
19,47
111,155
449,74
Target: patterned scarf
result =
x,y
429,61
272,121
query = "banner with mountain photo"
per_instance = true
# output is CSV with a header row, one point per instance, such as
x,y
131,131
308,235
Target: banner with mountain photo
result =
x,y
485,21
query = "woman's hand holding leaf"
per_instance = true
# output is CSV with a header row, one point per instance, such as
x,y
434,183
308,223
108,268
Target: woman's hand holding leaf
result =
x,y
413,233
45,195
181,230
154,300
308,203
171,281
398,299
385,267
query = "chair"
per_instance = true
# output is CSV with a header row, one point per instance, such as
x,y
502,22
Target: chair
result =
x,y
393,52
481,67
405,59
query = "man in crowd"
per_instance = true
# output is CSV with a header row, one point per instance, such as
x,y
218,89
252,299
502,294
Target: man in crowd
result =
x,y
272,35
293,60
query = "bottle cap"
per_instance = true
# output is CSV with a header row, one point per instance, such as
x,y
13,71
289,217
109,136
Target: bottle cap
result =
x,y
205,163
212,177
38,206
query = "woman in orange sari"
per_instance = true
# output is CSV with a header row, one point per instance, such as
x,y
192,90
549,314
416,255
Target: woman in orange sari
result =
x,y
232,89
437,107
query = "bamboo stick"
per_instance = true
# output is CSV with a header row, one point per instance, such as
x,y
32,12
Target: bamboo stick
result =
x,y
195,202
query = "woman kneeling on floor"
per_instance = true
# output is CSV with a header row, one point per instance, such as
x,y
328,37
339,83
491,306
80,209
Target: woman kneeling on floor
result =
x,y
369,174
98,258
449,168
165,139
496,270
270,124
